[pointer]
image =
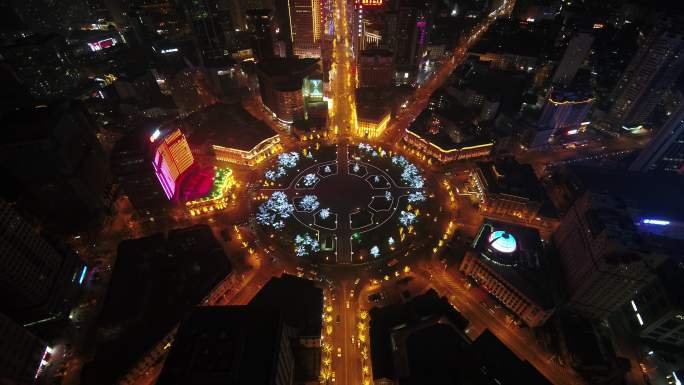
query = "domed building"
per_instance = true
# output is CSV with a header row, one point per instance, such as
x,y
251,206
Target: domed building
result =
x,y
507,262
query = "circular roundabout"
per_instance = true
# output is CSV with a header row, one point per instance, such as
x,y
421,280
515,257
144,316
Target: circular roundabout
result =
x,y
343,204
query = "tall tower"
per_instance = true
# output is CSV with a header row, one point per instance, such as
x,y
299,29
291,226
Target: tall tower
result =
x,y
654,68
665,152
574,56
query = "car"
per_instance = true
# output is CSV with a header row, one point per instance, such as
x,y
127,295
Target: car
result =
x,y
375,297
337,319
339,352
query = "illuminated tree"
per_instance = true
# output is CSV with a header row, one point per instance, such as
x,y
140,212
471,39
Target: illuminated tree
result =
x,y
275,211
407,218
388,195
375,251
417,196
308,203
390,241
356,167
324,213
288,159
309,180
305,244
327,170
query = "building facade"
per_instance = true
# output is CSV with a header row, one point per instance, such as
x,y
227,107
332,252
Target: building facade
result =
x,y
507,189
22,355
573,57
665,152
605,261
38,282
652,71
376,68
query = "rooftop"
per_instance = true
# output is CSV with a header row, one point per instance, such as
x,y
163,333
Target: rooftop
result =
x,y
226,125
228,344
444,131
521,263
508,177
655,195
156,282
287,67
32,124
300,302
422,342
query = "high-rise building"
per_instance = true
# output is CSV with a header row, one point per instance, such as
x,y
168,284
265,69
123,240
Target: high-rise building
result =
x,y
376,68
260,25
231,345
665,152
605,256
280,85
573,57
59,165
408,35
564,115
21,353
172,158
652,71
657,311
37,281
306,26
132,168
43,64
213,22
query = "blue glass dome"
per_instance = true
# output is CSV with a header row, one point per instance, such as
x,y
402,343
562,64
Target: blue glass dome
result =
x,y
503,242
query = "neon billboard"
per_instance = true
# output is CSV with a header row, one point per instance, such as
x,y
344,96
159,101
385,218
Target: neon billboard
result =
x,y
102,44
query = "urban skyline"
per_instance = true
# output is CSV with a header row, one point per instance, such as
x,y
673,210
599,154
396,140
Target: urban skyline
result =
x,y
367,192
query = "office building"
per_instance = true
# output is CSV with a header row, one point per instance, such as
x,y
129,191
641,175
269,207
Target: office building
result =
x,y
272,340
660,306
59,165
213,23
573,57
133,170
228,133
157,281
376,68
665,152
423,341
306,26
280,84
435,135
172,158
651,72
22,355
38,282
410,34
305,315
606,257
43,63
260,25
508,262
565,114
508,190
231,345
